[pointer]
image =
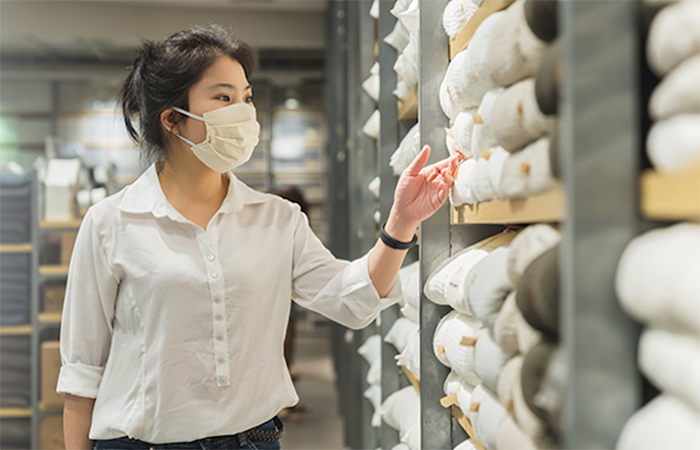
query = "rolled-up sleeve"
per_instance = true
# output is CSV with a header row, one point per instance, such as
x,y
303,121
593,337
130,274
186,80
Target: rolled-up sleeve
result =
x,y
88,312
337,289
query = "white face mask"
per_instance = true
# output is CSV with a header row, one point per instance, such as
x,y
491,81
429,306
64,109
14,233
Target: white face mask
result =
x,y
232,134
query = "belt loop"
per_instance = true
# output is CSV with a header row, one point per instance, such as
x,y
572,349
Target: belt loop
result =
x,y
242,439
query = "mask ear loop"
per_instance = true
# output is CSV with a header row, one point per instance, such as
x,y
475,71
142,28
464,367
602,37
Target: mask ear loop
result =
x,y
187,113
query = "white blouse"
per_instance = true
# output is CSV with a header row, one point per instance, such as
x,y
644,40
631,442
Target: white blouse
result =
x,y
178,332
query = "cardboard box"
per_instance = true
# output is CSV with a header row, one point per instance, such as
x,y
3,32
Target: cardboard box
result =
x,y
67,244
50,366
53,297
51,433
61,181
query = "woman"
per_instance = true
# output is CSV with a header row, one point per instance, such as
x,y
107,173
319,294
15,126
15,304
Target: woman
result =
x,y
179,286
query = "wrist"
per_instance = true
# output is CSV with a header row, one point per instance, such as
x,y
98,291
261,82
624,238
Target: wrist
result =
x,y
399,228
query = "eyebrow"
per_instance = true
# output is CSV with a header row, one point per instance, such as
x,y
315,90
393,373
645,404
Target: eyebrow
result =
x,y
230,86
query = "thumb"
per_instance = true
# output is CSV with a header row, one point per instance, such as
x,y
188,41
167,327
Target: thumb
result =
x,y
419,162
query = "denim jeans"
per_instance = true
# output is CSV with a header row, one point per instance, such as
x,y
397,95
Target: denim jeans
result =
x,y
230,442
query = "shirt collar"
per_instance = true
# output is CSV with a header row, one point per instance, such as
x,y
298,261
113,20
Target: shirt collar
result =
x,y
145,195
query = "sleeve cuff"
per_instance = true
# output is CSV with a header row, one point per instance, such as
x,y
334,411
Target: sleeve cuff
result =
x,y
80,380
363,300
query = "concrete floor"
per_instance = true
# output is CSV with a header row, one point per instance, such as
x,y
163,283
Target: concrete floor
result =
x,y
322,427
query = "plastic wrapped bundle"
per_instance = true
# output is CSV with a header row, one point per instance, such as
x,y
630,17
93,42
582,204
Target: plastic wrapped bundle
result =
x,y
678,92
505,328
407,151
489,286
446,103
410,281
371,352
457,14
489,359
411,437
371,127
454,384
371,84
406,64
538,293
400,333
516,119
515,52
374,395
401,410
482,135
674,144
480,181
399,37
460,339
680,423
488,416
497,162
548,80
672,363
410,356
461,191
440,338
541,16
528,245
527,172
674,36
507,379
462,130
410,18
657,278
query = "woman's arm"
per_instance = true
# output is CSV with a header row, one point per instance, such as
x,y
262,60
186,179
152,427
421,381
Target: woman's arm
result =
x,y
77,418
420,192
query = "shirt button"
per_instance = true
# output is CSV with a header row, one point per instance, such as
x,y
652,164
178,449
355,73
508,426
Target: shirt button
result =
x,y
217,299
210,257
218,317
214,274
219,337
222,380
220,360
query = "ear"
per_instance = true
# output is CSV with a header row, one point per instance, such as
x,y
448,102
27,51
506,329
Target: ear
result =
x,y
168,119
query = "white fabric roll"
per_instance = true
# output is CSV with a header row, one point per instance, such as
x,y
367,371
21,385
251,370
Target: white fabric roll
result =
x,y
410,283
528,245
477,78
446,103
516,119
399,37
462,129
400,333
371,127
410,356
511,437
458,82
481,183
399,7
489,286
466,445
506,325
489,359
461,357
527,336
406,64
497,162
457,14
678,92
410,18
374,395
461,192
401,410
672,363
411,437
531,425
488,418
508,378
371,87
407,151
674,144
374,9
482,135
527,172
402,91
677,423
657,278
515,52
674,35
454,384
371,349
440,338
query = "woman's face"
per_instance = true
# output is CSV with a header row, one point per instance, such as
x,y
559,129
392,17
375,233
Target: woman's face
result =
x,y
224,83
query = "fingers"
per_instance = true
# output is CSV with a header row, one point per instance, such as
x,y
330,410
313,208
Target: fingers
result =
x,y
418,163
452,162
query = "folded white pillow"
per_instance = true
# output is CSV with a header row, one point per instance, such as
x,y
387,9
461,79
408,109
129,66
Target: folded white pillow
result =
x,y
399,37
506,325
457,14
462,129
374,186
401,410
528,245
440,338
371,127
411,437
400,333
679,91
371,349
374,9
515,52
458,82
482,134
680,424
508,378
657,278
410,356
674,144
479,182
511,437
410,283
371,85
527,172
399,7
449,108
410,18
454,384
407,151
497,161
489,286
461,357
489,359
374,395
516,119
674,35
488,417
406,64
461,191
671,362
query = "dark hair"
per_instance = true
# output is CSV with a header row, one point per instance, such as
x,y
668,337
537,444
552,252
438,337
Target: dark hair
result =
x,y
163,74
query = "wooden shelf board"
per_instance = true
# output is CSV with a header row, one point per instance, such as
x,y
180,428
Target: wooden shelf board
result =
x,y
49,317
15,330
53,270
16,248
412,378
486,9
53,224
409,108
12,413
466,425
671,196
547,207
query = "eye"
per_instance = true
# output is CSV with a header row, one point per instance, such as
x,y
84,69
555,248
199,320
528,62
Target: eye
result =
x,y
224,98
249,99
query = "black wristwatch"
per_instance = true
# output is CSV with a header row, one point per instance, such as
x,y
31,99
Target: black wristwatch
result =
x,y
393,243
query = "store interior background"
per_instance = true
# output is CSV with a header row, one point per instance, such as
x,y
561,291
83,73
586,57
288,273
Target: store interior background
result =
x,y
61,65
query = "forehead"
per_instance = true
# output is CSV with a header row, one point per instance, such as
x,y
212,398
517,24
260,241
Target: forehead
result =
x,y
224,71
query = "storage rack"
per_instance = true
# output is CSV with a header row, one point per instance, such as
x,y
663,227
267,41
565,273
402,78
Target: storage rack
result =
x,y
603,202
